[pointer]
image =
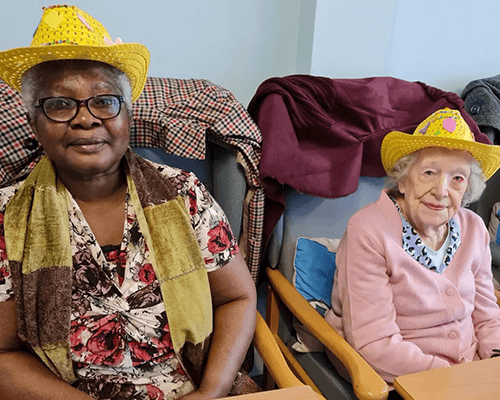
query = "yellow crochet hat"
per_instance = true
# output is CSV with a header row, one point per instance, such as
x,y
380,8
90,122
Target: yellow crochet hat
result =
x,y
444,128
68,33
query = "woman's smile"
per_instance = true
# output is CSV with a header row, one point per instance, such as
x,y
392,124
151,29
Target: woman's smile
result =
x,y
434,207
87,145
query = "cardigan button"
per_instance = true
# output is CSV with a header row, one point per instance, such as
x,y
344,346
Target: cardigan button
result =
x,y
450,292
452,335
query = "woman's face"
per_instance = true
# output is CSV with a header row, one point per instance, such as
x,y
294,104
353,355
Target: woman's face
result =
x,y
434,187
86,146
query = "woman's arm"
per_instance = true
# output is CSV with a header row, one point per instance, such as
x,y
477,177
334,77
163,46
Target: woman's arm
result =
x,y
22,374
368,310
234,300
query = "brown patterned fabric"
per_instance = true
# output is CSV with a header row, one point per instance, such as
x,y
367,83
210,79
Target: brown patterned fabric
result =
x,y
42,316
146,176
244,385
194,358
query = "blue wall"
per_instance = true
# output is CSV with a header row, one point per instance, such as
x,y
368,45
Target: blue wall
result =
x,y
240,43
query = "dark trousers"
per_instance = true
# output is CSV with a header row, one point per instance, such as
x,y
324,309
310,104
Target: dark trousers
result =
x,y
393,395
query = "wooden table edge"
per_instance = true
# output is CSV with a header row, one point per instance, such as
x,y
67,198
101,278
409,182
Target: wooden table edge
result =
x,y
400,389
278,394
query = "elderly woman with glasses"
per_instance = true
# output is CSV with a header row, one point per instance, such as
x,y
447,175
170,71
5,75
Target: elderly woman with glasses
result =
x,y
414,288
113,288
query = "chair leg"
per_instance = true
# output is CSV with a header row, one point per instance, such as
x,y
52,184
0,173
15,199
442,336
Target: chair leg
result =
x,y
272,318
272,310
268,383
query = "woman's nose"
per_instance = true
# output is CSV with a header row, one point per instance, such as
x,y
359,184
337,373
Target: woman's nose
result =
x,y
84,118
441,187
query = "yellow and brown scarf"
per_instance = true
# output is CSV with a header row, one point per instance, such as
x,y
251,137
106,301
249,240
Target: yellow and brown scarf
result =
x,y
39,251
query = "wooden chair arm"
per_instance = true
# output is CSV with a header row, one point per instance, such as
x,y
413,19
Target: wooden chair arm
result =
x,y
497,294
272,357
367,384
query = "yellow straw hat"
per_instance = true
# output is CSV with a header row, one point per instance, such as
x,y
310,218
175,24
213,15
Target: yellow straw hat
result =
x,y
444,128
68,33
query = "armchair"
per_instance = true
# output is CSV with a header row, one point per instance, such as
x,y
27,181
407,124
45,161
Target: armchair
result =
x,y
314,149
309,216
483,208
217,170
320,163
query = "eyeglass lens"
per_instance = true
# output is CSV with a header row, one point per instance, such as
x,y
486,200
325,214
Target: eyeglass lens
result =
x,y
64,108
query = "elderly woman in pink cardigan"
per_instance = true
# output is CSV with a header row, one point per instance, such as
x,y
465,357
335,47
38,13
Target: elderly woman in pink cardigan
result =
x,y
413,288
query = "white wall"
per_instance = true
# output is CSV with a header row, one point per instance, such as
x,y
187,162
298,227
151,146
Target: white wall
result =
x,y
442,43
446,43
352,38
240,43
235,43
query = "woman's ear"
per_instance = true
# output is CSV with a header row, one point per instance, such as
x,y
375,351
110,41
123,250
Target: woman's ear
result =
x,y
33,143
31,123
402,185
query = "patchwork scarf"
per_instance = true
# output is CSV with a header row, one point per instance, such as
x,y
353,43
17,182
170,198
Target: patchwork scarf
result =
x,y
38,247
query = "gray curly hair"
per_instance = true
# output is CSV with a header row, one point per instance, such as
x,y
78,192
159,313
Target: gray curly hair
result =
x,y
475,185
32,81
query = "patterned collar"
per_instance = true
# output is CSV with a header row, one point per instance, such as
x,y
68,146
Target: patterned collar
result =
x,y
414,246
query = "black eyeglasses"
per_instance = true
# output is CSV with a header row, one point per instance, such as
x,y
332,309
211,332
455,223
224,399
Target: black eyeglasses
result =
x,y
64,109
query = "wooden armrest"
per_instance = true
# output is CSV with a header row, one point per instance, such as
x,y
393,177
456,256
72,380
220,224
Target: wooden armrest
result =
x,y
367,384
272,357
497,294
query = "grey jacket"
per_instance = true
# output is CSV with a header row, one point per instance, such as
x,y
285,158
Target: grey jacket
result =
x,y
482,103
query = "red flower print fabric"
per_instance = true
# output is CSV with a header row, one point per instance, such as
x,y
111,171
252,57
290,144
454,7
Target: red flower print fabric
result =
x,y
147,274
220,238
6,291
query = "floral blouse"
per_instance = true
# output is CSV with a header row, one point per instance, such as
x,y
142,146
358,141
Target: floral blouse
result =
x,y
120,340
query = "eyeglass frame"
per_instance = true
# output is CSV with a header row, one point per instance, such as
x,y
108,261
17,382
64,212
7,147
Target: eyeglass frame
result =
x,y
79,104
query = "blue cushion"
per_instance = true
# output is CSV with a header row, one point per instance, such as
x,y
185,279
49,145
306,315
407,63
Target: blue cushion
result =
x,y
315,268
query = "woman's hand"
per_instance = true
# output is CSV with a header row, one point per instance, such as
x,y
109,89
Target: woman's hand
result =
x,y
196,395
22,374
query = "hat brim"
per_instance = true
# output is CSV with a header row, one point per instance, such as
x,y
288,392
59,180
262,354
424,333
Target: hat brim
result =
x,y
398,144
131,58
